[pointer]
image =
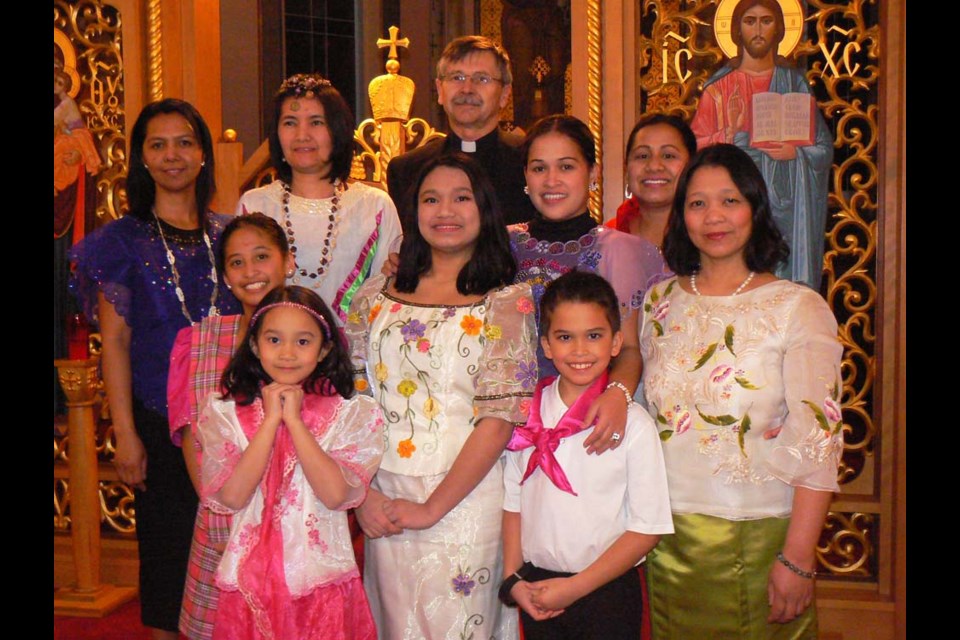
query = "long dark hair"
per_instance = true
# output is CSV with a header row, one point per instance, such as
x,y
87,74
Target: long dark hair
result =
x,y
244,375
492,264
766,247
141,190
253,220
336,111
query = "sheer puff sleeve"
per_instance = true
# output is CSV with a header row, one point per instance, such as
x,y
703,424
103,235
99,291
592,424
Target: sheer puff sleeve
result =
x,y
103,262
222,441
808,448
507,371
357,330
356,445
178,385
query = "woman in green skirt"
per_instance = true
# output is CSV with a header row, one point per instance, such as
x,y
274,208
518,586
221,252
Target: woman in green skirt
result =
x,y
742,374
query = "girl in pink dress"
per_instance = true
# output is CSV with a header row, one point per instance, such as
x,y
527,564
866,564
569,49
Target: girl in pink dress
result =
x,y
287,450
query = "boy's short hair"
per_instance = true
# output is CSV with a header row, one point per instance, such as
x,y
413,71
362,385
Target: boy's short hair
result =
x,y
582,287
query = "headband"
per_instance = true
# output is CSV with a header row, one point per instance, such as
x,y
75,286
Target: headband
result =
x,y
304,84
295,305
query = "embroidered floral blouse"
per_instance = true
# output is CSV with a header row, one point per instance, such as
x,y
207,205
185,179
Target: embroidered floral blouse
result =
x,y
745,391
436,371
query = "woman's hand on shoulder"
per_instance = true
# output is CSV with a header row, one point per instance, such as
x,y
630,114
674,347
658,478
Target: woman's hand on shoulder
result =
x,y
609,411
789,594
390,265
372,519
130,460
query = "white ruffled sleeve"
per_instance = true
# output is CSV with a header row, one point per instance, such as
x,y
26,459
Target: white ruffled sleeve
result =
x,y
507,372
222,441
809,446
356,444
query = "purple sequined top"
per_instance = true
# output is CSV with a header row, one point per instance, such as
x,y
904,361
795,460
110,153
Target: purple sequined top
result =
x,y
626,262
126,261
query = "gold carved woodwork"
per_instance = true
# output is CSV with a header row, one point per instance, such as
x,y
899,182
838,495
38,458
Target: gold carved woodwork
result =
x,y
595,102
848,544
88,33
154,51
391,131
677,52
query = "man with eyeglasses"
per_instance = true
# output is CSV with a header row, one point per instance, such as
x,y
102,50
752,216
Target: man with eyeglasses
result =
x,y
473,84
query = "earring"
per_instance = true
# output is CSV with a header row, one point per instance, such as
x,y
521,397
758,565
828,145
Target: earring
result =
x,y
594,186
283,159
627,194
290,273
227,285
145,166
203,163
526,189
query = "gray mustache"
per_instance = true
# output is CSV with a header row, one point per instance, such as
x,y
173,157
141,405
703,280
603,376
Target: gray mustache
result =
x,y
473,101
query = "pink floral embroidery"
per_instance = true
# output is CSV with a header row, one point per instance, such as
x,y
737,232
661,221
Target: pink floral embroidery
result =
x,y
244,539
396,306
313,535
684,420
525,305
721,373
832,410
423,345
660,311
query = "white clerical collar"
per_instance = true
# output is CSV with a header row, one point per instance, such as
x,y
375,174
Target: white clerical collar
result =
x,y
468,146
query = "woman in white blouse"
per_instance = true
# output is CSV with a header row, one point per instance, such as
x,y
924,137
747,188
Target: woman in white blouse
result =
x,y
742,374
338,233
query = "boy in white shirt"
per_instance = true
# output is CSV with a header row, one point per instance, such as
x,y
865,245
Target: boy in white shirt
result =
x,y
575,525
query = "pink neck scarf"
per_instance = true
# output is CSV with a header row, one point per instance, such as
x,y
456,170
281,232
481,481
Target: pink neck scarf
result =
x,y
546,441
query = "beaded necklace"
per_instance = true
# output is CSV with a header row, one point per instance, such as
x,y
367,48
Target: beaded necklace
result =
x,y
330,237
172,261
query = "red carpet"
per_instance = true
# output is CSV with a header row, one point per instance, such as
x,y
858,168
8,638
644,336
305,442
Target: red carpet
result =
x,y
122,624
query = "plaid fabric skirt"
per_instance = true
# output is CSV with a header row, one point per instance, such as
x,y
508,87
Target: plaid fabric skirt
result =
x,y
200,594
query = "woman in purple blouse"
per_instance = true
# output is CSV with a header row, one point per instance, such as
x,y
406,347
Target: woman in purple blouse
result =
x,y
143,278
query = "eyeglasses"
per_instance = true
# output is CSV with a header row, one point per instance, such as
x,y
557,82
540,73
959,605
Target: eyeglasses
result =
x,y
478,78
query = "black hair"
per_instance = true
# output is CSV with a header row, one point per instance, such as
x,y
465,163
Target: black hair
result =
x,y
650,119
582,287
572,127
244,375
336,111
766,247
492,264
253,220
460,48
141,190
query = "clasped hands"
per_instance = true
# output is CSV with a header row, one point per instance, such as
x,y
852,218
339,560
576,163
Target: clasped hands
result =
x,y
380,516
546,599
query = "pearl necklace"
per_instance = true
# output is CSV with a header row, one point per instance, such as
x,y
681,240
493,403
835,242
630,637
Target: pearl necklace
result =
x,y
172,261
329,241
693,284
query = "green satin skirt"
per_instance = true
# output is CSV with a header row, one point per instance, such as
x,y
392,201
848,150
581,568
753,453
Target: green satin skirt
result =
x,y
709,580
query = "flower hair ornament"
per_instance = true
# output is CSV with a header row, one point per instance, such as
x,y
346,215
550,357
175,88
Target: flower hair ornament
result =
x,y
303,85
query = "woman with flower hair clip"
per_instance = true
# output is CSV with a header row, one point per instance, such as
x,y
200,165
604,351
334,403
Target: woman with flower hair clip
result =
x,y
338,233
